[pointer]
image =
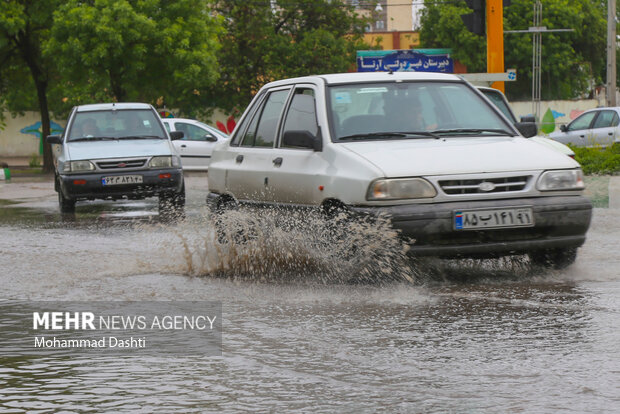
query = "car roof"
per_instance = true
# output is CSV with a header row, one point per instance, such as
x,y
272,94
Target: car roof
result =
x,y
112,106
362,77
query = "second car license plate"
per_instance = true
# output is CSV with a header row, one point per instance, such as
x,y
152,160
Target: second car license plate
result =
x,y
497,218
121,179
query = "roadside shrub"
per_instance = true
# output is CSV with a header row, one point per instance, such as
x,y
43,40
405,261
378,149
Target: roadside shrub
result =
x,y
35,161
598,160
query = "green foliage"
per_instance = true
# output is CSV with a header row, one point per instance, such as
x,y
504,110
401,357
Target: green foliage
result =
x,y
35,161
24,25
442,27
135,50
261,44
598,160
571,61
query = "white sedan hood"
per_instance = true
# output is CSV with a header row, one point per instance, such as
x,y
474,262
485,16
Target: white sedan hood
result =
x,y
117,149
462,155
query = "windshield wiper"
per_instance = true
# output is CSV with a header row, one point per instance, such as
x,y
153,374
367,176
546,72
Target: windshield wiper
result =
x,y
473,131
91,139
379,135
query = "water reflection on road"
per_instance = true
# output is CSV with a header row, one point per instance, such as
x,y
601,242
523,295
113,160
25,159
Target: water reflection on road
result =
x,y
477,336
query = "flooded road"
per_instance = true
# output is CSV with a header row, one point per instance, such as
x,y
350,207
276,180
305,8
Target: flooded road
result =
x,y
298,333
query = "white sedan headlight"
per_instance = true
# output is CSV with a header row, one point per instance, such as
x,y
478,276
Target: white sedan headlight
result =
x,y
400,188
559,180
78,166
161,162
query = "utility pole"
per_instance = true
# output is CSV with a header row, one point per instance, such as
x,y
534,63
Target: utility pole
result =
x,y
611,53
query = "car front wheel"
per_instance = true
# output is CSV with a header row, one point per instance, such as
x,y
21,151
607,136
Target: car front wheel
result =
x,y
67,205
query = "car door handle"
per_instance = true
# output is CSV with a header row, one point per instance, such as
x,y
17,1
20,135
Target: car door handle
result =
x,y
239,159
582,136
183,146
277,161
610,133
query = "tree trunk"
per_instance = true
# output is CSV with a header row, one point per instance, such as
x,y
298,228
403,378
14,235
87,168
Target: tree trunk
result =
x,y
32,56
48,160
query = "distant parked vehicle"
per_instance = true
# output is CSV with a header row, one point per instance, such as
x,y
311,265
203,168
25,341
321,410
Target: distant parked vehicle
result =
x,y
113,151
197,145
499,99
598,127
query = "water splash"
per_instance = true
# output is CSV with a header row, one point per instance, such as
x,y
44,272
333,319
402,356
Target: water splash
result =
x,y
270,244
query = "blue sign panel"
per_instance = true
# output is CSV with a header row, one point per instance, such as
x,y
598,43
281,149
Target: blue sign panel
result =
x,y
403,60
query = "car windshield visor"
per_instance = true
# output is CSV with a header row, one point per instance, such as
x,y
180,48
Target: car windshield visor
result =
x,y
405,110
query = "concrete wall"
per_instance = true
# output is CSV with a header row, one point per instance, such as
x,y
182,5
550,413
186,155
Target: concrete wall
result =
x,y
399,15
21,137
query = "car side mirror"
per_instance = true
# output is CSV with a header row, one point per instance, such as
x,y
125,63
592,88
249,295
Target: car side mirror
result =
x,y
210,138
302,139
174,135
53,139
527,129
563,128
528,118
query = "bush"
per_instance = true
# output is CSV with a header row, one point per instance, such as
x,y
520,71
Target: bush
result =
x,y
35,161
598,160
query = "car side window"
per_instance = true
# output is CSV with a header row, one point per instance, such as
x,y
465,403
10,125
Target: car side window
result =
x,y
263,127
268,124
248,137
606,119
192,132
167,126
582,122
240,129
301,115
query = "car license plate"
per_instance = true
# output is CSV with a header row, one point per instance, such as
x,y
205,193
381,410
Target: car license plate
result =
x,y
496,218
121,179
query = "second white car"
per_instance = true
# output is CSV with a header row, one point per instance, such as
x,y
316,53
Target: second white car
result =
x,y
197,144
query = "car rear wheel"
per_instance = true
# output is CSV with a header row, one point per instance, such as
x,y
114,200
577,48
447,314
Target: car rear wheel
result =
x,y
230,228
554,258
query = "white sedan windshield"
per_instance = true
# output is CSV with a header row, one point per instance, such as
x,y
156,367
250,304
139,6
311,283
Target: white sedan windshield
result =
x,y
115,124
428,108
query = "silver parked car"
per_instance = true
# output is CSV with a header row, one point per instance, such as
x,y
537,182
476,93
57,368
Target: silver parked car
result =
x,y
598,127
197,144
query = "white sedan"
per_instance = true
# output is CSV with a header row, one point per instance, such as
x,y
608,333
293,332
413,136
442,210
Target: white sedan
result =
x,y
197,145
598,127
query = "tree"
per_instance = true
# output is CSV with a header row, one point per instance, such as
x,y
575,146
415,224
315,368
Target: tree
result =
x,y
571,61
264,41
24,26
135,50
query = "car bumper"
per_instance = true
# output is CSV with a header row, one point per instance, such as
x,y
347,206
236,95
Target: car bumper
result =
x,y
90,186
560,222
